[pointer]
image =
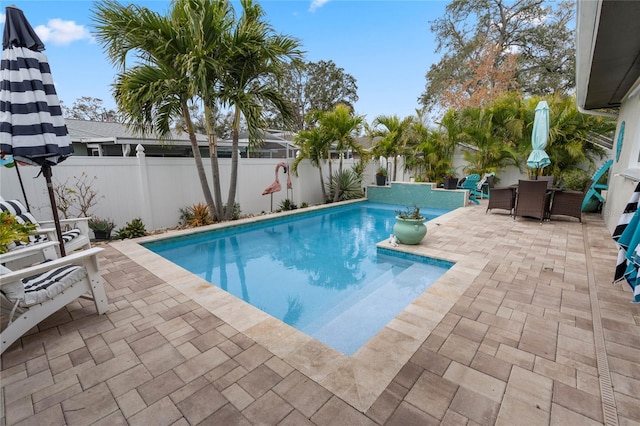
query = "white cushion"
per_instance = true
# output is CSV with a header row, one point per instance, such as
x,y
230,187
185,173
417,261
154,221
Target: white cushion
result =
x,y
39,288
13,290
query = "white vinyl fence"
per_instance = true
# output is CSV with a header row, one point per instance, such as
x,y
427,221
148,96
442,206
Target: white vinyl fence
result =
x,y
154,189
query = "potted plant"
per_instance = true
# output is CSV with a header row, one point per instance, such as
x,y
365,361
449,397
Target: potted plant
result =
x,y
450,181
101,228
11,231
381,176
409,227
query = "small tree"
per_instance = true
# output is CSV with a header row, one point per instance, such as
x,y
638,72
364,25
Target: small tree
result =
x,y
77,199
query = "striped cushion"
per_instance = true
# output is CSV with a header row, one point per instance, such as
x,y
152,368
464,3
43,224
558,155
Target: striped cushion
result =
x,y
17,209
70,235
45,286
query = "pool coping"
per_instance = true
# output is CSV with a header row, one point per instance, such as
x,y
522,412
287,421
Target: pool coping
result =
x,y
358,379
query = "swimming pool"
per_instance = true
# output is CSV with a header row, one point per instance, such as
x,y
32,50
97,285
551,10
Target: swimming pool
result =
x,y
319,272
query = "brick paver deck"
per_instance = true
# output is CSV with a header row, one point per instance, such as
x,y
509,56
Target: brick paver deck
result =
x,y
527,329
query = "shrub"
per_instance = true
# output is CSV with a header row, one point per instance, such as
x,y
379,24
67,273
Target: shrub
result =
x,y
101,225
235,214
287,204
351,185
133,229
575,179
197,215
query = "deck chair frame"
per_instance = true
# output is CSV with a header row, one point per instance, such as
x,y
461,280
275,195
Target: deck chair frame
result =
x,y
595,186
91,286
45,228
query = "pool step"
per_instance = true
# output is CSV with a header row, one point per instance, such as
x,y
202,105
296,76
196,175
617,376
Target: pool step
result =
x,y
371,308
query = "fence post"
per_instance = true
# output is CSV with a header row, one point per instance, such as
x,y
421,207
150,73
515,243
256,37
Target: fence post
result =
x,y
145,199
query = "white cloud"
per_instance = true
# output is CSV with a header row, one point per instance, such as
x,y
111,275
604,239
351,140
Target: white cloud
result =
x,y
62,32
2,18
317,4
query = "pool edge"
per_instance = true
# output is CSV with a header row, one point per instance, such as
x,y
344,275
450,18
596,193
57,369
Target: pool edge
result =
x,y
358,379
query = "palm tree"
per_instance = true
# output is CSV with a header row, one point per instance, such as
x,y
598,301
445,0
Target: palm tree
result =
x,y
343,127
254,52
150,95
395,134
314,145
208,25
491,151
431,152
569,136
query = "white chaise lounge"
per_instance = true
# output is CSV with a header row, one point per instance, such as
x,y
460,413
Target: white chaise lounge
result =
x,y
73,239
30,295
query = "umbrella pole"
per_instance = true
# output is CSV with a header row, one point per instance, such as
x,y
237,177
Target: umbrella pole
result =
x,y
46,171
24,194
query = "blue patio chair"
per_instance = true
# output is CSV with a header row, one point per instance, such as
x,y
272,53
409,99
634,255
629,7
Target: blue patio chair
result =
x,y
470,183
595,188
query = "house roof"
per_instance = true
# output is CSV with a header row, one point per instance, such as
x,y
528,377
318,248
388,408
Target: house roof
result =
x,y
104,132
608,51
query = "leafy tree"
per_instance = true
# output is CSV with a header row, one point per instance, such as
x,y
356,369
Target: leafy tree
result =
x,y
538,33
491,74
312,86
88,108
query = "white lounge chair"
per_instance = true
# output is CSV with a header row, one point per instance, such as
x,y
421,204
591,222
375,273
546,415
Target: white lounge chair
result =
x,y
73,239
30,295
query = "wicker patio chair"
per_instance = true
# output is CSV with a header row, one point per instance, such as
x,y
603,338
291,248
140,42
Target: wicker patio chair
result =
x,y
548,179
502,198
533,199
569,203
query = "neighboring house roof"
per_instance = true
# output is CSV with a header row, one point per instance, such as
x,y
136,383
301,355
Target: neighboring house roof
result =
x,y
608,51
104,132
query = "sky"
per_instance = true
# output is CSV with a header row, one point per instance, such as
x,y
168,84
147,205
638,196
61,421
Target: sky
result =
x,y
386,45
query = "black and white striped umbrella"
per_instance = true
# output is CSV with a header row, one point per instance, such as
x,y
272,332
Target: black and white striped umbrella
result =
x,y
627,235
32,128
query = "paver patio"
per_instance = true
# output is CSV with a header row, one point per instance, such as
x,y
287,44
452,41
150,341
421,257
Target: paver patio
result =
x,y
525,329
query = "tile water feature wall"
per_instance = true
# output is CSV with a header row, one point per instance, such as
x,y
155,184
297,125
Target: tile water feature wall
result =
x,y
421,194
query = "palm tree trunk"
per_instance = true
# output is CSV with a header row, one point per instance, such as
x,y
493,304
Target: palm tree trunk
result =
x,y
324,191
231,198
330,174
395,166
336,195
206,191
215,167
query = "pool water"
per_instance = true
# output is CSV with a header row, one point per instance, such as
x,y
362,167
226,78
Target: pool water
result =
x,y
319,272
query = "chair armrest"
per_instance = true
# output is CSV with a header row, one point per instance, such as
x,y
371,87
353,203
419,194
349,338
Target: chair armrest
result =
x,y
84,257
82,223
27,251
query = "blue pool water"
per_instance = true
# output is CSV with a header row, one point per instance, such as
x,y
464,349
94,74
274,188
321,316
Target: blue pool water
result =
x,y
319,272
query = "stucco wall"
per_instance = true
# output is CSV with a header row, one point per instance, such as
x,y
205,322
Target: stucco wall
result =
x,y
621,187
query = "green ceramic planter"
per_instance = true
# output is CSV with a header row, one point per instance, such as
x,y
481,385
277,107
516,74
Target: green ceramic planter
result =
x,y
409,231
